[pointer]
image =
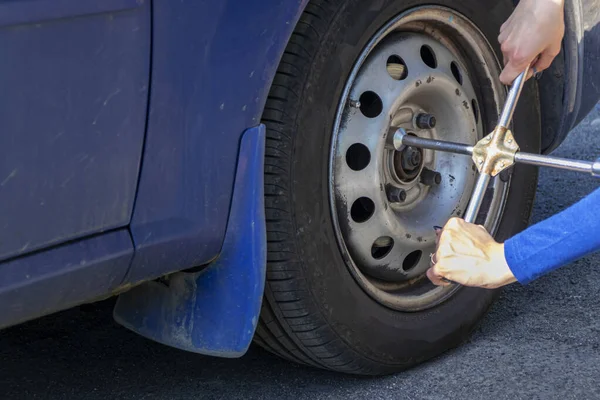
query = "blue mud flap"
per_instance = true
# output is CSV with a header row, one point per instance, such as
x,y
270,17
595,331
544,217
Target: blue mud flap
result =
x,y
214,311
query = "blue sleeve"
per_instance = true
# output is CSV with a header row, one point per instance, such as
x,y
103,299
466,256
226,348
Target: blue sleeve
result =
x,y
556,241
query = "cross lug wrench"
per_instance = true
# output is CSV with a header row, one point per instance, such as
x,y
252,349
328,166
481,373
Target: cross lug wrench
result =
x,y
496,151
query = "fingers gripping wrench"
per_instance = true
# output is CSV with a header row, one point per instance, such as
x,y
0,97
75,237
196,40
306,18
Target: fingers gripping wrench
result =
x,y
496,151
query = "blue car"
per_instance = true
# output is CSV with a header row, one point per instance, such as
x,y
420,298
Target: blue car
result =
x,y
226,168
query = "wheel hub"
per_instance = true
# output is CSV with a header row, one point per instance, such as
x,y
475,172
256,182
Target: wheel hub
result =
x,y
386,202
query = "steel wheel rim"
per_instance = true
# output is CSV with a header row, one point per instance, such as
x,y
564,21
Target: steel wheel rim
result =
x,y
402,232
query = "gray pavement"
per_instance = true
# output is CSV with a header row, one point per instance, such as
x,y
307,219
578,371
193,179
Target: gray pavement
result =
x,y
539,341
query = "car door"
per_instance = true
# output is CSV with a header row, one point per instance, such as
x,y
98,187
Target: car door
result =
x,y
74,80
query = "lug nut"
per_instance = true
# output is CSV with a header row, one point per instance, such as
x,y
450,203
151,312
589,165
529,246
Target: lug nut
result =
x,y
429,177
411,158
416,159
395,195
425,121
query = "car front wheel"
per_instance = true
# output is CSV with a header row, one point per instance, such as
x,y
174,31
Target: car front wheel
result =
x,y
349,219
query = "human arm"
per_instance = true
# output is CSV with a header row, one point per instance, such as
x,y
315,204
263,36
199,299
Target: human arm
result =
x,y
468,255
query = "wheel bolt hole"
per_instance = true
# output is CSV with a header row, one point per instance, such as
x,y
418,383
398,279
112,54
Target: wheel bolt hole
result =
x,y
362,209
411,260
370,104
456,72
475,109
358,156
428,56
382,247
397,68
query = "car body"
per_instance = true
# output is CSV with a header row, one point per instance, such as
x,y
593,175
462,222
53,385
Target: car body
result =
x,y
132,148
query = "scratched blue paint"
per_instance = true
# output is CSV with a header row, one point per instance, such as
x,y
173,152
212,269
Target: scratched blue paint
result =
x,y
41,283
40,11
73,149
72,119
213,63
213,311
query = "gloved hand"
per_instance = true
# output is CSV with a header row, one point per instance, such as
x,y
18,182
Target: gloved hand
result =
x,y
468,255
534,30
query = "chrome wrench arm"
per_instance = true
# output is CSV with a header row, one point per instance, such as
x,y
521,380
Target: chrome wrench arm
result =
x,y
590,167
484,176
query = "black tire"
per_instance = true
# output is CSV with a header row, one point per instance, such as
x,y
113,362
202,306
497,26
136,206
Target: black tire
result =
x,y
313,310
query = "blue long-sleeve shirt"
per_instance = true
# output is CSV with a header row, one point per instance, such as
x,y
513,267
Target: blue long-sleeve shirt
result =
x,y
556,241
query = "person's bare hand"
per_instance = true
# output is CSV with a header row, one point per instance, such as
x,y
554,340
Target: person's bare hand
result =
x,y
468,255
532,34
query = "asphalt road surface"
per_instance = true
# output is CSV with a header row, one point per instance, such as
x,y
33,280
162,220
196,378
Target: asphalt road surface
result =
x,y
539,341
